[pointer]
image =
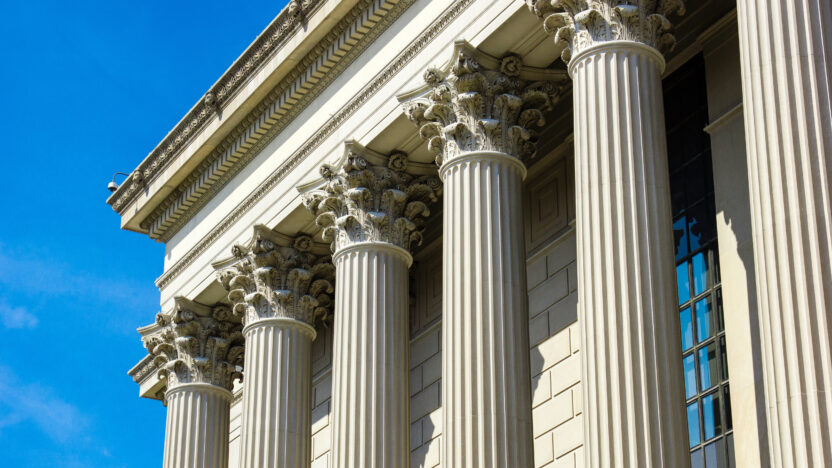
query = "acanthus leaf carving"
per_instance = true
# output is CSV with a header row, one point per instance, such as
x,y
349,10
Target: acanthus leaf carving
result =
x,y
367,202
197,344
270,280
473,106
581,24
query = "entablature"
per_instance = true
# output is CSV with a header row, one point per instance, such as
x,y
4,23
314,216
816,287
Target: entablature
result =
x,y
264,196
287,66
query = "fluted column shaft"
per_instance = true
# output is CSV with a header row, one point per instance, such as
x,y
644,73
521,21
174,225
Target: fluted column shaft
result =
x,y
486,394
633,398
279,288
370,404
196,435
786,53
276,425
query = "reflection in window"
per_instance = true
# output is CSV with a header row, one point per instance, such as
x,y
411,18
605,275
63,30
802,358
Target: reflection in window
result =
x,y
683,282
687,329
697,274
693,423
690,376
708,366
711,421
704,320
700,273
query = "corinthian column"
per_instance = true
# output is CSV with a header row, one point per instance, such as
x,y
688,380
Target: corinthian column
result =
x,y
633,397
479,117
372,212
197,350
786,58
279,291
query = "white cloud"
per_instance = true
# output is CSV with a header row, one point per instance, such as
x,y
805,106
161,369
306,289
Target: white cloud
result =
x,y
21,402
16,317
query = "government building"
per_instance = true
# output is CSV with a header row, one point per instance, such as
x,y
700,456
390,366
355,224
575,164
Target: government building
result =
x,y
499,234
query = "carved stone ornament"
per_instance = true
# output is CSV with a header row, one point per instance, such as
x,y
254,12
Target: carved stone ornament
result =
x,y
366,200
480,103
197,344
581,24
269,280
280,30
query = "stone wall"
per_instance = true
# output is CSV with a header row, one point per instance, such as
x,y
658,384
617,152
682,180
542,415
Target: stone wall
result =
x,y
555,355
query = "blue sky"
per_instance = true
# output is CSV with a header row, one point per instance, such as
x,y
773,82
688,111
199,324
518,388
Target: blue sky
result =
x,y
89,88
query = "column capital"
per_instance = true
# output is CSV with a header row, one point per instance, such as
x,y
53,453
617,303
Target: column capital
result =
x,y
369,198
582,24
275,276
477,102
196,344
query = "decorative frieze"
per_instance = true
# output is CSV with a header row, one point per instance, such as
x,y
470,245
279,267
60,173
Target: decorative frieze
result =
x,y
582,24
320,67
197,344
364,201
270,280
315,140
480,103
275,35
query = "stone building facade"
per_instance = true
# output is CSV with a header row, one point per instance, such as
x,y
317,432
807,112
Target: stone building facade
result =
x,y
497,233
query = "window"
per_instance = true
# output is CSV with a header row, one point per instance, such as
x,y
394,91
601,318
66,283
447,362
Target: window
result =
x,y
704,365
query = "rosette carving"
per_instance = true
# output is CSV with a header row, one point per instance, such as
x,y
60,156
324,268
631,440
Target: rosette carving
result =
x,y
483,104
580,24
366,202
197,344
270,280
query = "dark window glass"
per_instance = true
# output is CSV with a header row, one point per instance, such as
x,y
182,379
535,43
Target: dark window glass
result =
x,y
711,420
713,452
696,459
698,284
729,443
708,372
680,233
729,424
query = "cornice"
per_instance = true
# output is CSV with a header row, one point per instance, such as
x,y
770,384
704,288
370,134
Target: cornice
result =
x,y
318,69
142,369
329,127
260,51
